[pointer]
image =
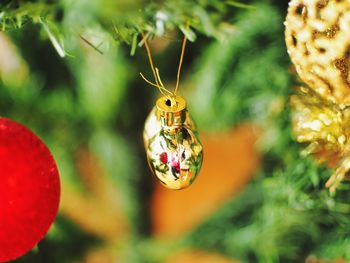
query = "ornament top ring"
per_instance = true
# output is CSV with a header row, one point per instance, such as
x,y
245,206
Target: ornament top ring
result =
x,y
317,37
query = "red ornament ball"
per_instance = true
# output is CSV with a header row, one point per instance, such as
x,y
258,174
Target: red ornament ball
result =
x,y
29,190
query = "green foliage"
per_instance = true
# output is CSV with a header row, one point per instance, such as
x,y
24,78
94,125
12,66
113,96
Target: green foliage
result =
x,y
14,14
236,67
122,20
286,214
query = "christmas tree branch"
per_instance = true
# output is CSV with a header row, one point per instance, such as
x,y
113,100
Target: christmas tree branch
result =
x,y
124,20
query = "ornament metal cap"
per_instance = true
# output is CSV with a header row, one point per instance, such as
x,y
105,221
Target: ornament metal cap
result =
x,y
171,111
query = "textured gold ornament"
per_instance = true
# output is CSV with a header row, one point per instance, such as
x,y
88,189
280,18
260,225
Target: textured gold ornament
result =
x,y
174,152
173,149
326,127
317,36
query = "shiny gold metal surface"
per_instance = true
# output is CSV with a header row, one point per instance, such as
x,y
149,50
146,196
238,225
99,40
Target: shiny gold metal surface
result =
x,y
326,128
173,149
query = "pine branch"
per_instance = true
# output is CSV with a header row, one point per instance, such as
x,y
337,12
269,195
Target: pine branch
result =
x,y
14,14
124,20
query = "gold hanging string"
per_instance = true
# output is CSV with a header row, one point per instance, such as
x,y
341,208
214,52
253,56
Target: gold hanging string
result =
x,y
155,85
144,40
160,80
180,65
159,83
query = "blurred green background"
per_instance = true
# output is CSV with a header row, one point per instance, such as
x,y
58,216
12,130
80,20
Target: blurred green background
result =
x,y
256,200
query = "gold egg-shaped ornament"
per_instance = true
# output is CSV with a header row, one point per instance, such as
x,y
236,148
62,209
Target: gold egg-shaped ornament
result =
x,y
317,37
174,151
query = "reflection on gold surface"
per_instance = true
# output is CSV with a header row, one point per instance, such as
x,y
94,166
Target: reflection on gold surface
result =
x,y
173,149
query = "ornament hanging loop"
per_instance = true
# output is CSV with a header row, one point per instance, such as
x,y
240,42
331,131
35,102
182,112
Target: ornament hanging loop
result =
x,y
156,74
180,65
